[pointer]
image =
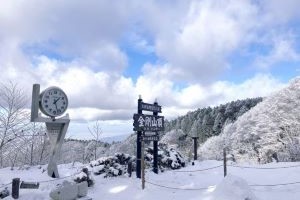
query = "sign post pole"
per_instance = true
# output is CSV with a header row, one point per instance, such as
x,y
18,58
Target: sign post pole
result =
x,y
195,147
143,165
155,147
143,124
138,143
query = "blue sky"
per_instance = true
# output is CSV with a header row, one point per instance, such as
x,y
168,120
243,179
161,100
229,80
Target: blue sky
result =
x,y
187,54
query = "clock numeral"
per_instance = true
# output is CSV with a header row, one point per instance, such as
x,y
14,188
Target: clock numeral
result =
x,y
46,101
55,92
63,98
54,112
47,97
58,111
62,107
46,106
50,109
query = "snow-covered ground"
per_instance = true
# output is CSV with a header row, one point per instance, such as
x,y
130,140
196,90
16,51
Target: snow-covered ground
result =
x,y
212,186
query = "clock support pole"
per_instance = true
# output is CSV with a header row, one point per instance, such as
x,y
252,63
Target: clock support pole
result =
x,y
56,131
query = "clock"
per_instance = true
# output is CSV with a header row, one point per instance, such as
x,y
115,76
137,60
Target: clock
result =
x,y
53,102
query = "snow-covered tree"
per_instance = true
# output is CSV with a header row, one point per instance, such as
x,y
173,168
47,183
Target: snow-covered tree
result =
x,y
96,131
13,117
268,131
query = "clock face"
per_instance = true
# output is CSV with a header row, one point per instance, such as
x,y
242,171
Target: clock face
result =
x,y
53,102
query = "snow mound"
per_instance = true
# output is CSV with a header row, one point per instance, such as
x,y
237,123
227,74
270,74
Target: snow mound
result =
x,y
233,188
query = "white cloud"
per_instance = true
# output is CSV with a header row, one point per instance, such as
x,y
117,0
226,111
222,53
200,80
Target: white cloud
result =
x,y
76,45
282,51
87,32
280,12
198,44
197,95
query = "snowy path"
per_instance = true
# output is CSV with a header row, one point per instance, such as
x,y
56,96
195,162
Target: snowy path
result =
x,y
130,188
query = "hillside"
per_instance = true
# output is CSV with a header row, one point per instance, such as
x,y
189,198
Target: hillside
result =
x,y
204,123
269,131
209,121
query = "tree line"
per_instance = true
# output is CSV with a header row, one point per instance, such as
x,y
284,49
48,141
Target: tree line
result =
x,y
208,122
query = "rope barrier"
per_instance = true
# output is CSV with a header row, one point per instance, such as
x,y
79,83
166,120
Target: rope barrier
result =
x,y
205,188
248,167
176,188
4,185
56,179
200,170
273,185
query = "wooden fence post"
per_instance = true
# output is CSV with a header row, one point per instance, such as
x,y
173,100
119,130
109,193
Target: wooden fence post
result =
x,y
224,162
15,188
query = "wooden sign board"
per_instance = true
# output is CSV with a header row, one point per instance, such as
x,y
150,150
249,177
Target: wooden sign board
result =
x,y
150,107
148,123
150,138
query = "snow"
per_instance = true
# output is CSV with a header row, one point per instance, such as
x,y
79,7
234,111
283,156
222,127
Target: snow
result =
x,y
233,188
212,186
81,175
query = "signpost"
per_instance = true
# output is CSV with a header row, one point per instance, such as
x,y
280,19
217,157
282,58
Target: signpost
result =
x,y
150,137
150,107
147,123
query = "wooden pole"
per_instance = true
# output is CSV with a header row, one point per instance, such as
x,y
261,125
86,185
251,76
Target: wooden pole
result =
x,y
138,143
224,162
15,188
195,147
143,165
155,148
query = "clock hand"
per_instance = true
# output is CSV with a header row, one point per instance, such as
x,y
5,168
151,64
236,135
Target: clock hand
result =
x,y
56,100
56,106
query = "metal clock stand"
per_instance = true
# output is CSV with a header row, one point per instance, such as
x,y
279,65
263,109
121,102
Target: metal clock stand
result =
x,y
56,130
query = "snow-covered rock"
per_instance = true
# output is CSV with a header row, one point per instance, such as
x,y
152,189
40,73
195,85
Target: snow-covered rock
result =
x,y
233,188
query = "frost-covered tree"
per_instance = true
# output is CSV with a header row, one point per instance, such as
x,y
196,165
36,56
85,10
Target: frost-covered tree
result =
x,y
96,131
13,117
268,131
218,123
194,130
212,120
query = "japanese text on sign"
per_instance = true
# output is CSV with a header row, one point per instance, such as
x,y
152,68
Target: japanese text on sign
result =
x,y
148,122
150,107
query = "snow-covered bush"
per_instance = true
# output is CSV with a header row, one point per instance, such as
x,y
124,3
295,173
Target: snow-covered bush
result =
x,y
4,193
112,165
168,158
84,175
178,140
